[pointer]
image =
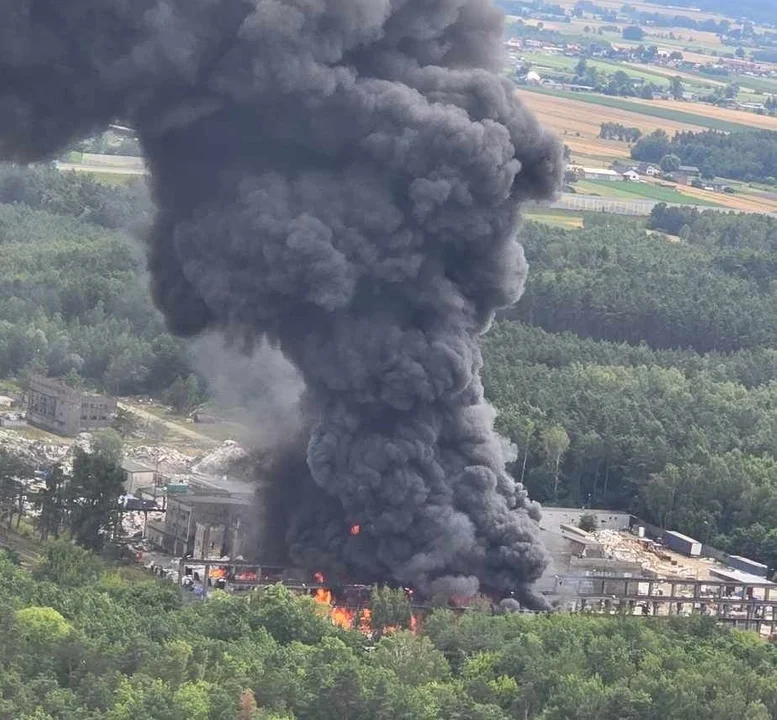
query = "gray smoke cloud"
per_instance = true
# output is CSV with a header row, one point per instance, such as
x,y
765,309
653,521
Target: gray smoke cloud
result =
x,y
260,390
341,177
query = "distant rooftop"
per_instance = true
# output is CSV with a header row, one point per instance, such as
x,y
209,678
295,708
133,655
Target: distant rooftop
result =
x,y
133,466
600,171
211,500
740,577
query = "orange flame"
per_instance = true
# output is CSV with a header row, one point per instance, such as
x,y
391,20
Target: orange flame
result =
x,y
356,529
323,596
349,619
342,617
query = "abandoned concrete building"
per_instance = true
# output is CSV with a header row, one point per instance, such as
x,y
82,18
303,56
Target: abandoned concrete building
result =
x,y
137,477
217,517
53,406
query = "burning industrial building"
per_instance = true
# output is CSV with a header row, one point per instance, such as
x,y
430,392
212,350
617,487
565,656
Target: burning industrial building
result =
x,y
341,178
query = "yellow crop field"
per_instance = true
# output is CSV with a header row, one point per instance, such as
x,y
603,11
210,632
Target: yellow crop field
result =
x,y
578,123
765,122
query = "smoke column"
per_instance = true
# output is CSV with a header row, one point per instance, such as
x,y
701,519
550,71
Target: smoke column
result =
x,y
340,178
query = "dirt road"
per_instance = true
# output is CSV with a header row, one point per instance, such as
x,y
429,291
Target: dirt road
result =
x,y
173,427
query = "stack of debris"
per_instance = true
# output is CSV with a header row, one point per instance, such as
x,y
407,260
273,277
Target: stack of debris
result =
x,y
222,460
651,556
35,452
168,460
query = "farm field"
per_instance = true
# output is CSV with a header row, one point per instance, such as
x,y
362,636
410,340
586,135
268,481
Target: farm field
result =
x,y
666,73
743,203
690,115
738,119
646,7
555,218
640,191
562,62
683,194
578,124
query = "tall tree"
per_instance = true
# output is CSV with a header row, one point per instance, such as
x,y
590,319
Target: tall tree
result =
x,y
14,471
676,87
93,498
555,442
50,503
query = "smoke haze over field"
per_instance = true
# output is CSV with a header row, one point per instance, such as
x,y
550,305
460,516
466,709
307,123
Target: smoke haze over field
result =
x,y
341,177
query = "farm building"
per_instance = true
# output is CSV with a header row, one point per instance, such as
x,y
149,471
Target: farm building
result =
x,y
601,174
648,169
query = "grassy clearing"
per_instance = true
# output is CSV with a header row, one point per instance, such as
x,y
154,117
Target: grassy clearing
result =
x,y
109,178
635,191
680,116
568,64
555,218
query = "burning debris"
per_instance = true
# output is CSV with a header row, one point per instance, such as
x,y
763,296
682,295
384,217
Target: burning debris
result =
x,y
341,179
350,613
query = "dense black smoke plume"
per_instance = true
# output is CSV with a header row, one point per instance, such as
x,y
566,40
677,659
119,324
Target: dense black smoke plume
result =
x,y
343,178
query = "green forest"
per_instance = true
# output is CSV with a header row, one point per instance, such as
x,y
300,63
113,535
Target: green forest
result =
x,y
74,301
745,155
643,364
80,642
639,371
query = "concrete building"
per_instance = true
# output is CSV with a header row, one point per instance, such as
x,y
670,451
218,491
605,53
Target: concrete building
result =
x,y
221,516
204,526
554,517
137,476
54,406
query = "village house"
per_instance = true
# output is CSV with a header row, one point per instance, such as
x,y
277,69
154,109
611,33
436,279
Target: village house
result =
x,y
686,174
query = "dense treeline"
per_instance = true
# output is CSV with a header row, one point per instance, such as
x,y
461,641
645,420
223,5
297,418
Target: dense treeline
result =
x,y
747,155
81,644
649,379
637,424
617,131
73,297
77,195
611,281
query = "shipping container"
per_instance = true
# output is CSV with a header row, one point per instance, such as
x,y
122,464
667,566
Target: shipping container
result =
x,y
746,565
682,543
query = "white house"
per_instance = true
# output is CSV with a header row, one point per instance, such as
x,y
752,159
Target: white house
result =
x,y
632,176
